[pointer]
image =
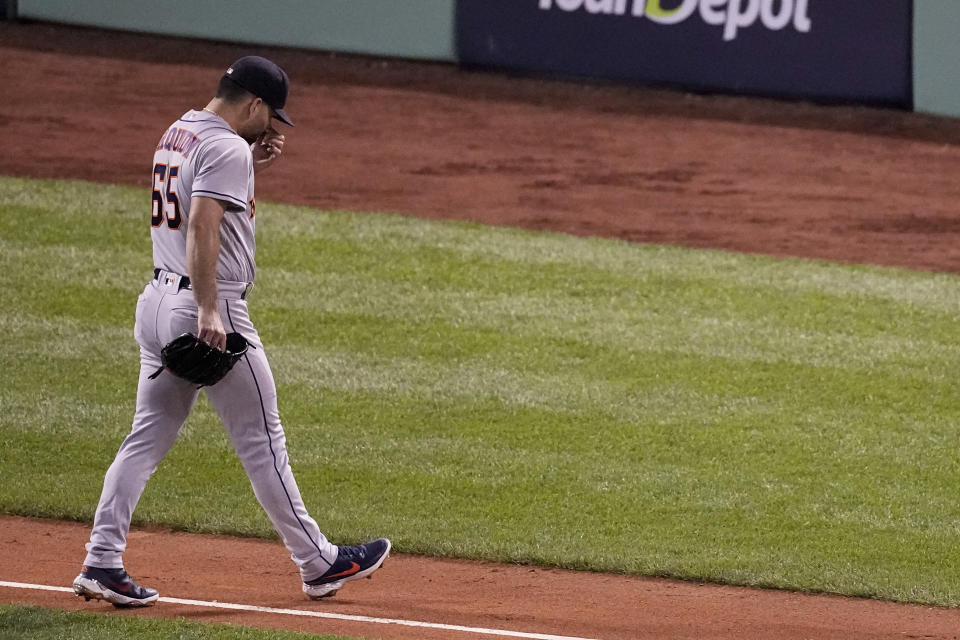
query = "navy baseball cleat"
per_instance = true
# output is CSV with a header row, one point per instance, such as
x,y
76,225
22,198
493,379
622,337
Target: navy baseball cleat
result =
x,y
352,563
113,585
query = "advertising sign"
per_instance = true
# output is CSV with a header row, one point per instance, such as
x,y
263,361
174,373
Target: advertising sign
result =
x,y
836,50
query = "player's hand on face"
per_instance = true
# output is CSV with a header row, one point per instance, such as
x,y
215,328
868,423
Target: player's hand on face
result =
x,y
210,329
267,148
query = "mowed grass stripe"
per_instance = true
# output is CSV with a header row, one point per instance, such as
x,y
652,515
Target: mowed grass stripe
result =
x,y
927,290
500,394
625,325
34,339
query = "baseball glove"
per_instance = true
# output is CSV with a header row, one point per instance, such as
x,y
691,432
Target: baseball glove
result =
x,y
190,358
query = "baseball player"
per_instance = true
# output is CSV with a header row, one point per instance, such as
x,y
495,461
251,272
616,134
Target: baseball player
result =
x,y
203,224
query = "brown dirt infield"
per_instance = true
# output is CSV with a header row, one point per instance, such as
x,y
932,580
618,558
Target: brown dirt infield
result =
x,y
840,183
473,594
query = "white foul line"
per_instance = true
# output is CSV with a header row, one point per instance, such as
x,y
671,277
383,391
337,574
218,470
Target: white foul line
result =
x,y
322,614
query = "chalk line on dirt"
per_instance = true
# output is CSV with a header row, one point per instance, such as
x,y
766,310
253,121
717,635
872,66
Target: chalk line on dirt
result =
x,y
322,614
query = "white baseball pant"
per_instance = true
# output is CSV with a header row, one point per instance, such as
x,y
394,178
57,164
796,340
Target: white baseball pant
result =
x,y
246,401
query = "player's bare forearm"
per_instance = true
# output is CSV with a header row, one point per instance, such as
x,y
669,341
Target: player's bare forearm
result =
x,y
203,251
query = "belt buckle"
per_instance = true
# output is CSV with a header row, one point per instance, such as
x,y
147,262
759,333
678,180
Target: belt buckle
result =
x,y
246,291
170,280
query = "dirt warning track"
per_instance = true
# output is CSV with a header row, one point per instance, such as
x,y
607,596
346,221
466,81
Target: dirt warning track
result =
x,y
840,183
490,600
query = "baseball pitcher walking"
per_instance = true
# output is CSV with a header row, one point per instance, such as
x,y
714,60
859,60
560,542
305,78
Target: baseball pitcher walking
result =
x,y
203,224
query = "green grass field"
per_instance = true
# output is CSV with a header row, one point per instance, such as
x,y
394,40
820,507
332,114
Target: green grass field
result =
x,y
35,623
524,397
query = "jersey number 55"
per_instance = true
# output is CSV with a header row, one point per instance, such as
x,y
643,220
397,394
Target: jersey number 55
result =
x,y
163,186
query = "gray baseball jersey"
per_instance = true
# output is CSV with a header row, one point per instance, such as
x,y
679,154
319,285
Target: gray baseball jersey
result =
x,y
200,155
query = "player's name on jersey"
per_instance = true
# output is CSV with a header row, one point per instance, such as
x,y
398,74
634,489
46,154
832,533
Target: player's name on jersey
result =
x,y
178,140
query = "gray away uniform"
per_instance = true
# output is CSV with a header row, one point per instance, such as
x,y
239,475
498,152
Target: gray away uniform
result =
x,y
200,155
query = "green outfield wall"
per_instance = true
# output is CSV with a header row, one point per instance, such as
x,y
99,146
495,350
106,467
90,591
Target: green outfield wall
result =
x,y
8,9
409,29
936,56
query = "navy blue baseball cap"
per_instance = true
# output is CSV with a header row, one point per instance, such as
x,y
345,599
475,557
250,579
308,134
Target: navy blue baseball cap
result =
x,y
264,79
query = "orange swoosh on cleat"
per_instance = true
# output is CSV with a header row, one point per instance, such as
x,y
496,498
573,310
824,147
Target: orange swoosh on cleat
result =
x,y
349,572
